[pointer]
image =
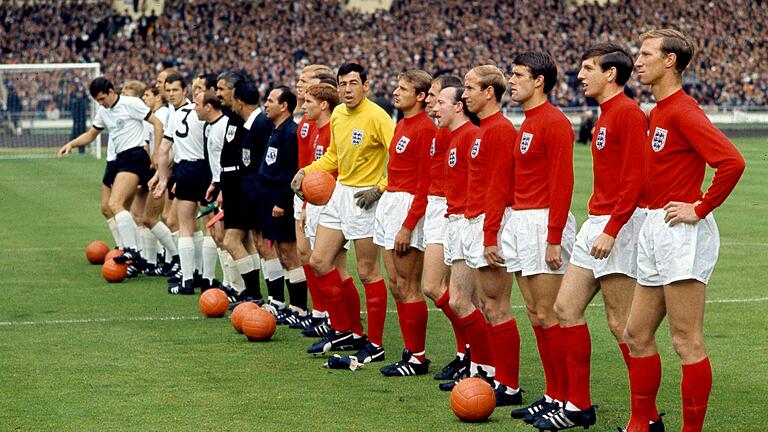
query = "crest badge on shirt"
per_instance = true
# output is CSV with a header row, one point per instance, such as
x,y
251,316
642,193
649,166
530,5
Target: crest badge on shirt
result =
x,y
231,131
246,156
432,149
357,137
475,148
318,152
600,140
659,139
304,130
402,144
452,158
271,156
525,142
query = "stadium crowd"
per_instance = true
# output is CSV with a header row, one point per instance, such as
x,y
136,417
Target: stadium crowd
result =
x,y
273,40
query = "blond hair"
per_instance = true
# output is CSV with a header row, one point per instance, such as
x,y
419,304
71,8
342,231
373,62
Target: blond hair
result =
x,y
491,76
673,42
134,88
316,69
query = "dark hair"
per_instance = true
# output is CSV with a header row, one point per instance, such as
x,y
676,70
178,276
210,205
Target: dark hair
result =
x,y
611,55
347,68
100,85
210,98
247,93
210,80
233,77
448,81
326,78
176,77
286,97
540,64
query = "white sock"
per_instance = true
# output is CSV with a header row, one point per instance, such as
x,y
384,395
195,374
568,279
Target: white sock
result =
x,y
149,241
187,257
257,261
115,232
209,258
175,237
225,267
127,228
245,265
163,234
198,238
296,275
272,269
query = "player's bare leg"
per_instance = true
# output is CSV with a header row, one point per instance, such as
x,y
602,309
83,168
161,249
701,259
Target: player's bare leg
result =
x,y
109,216
647,312
120,197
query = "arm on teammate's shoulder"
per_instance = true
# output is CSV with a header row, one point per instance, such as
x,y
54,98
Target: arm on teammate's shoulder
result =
x,y
158,127
719,153
632,136
560,177
82,140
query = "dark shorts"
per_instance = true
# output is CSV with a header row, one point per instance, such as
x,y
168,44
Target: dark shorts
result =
x,y
135,160
277,229
192,180
236,210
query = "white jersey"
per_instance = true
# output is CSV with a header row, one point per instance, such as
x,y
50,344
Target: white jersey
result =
x,y
162,114
124,122
215,135
185,130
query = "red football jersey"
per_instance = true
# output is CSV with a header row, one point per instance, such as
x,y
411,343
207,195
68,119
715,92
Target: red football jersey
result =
x,y
617,155
544,166
681,142
456,167
437,156
306,129
409,163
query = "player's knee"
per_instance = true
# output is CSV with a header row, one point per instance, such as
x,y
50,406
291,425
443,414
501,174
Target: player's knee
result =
x,y
688,347
105,210
319,264
303,254
616,326
566,313
636,339
115,206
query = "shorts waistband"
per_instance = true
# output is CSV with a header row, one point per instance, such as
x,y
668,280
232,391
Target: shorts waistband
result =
x,y
230,168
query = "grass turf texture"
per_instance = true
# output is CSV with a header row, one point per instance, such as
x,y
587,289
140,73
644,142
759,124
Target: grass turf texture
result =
x,y
77,353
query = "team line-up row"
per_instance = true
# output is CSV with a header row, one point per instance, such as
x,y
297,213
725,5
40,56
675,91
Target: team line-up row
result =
x,y
459,200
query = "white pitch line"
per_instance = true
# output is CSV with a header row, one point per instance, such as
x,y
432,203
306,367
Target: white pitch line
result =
x,y
195,318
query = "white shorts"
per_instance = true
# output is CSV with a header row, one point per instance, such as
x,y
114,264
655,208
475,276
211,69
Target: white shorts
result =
x,y
310,224
524,242
669,254
390,215
342,213
435,221
453,249
623,256
472,240
298,203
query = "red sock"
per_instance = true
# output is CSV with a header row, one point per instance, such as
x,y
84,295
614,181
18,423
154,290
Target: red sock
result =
x,y
352,301
505,343
644,382
546,361
476,330
329,285
625,353
442,303
314,290
695,389
413,325
376,305
578,348
554,335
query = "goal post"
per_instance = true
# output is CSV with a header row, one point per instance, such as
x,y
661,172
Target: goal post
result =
x,y
42,106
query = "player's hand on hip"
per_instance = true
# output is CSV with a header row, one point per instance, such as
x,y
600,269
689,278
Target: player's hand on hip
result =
x,y
65,149
296,183
552,256
602,246
680,212
403,241
493,256
220,200
367,198
277,212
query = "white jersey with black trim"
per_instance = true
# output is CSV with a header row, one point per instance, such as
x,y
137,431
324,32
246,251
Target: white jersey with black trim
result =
x,y
215,135
124,122
185,130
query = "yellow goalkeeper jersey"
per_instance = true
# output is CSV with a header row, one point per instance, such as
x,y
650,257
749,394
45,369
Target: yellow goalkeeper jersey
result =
x,y
359,145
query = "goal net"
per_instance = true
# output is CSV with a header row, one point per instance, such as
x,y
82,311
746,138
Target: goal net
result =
x,y
42,106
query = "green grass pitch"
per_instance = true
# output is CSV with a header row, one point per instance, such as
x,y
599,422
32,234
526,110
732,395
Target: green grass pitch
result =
x,y
78,354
